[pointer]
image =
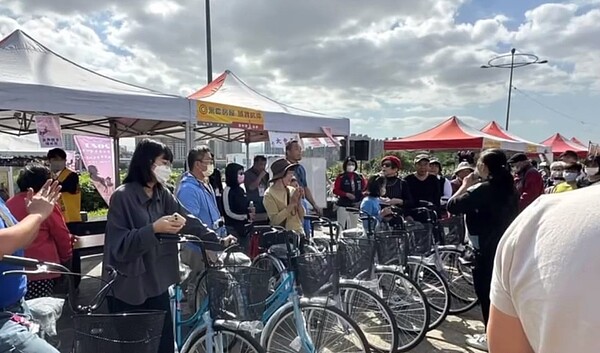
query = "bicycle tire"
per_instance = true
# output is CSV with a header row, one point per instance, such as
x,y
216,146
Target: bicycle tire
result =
x,y
286,319
459,282
239,337
436,291
414,332
365,295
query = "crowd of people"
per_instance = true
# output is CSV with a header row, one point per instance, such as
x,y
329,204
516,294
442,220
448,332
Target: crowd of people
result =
x,y
490,193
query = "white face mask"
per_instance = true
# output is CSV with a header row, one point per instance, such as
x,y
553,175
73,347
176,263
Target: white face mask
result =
x,y
350,168
570,176
210,169
556,174
592,170
162,173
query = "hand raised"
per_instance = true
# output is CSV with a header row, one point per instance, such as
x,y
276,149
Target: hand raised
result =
x,y
43,201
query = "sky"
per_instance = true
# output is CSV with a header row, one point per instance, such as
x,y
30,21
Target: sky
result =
x,y
393,67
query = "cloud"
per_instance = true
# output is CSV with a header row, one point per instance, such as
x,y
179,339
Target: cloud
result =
x,y
381,61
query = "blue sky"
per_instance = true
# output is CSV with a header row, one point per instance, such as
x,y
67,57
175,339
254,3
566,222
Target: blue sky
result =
x,y
393,67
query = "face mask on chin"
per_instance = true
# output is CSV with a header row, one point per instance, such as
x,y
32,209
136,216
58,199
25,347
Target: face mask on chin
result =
x,y
570,176
162,173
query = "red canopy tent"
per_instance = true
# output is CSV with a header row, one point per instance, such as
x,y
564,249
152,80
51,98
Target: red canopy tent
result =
x,y
560,144
494,129
452,134
576,140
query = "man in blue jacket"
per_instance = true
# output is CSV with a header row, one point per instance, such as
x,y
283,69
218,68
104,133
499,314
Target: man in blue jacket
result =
x,y
198,197
15,329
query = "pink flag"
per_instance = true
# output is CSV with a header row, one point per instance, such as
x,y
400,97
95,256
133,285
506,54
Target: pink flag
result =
x,y
333,140
48,131
98,157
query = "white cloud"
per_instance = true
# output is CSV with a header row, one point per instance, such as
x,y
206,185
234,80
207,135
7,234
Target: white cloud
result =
x,y
391,58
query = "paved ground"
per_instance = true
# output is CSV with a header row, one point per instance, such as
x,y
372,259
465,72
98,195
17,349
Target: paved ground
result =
x,y
448,338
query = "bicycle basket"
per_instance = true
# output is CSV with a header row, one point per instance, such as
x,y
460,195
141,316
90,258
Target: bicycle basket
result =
x,y
355,255
420,239
237,292
314,271
126,332
390,245
453,229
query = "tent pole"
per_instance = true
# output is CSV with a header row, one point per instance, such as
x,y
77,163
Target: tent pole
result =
x,y
248,165
116,151
348,146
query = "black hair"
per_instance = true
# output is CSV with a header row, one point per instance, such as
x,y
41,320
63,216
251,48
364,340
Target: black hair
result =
x,y
195,154
466,156
347,160
231,174
57,153
497,163
290,144
574,167
260,158
33,176
569,153
374,185
140,167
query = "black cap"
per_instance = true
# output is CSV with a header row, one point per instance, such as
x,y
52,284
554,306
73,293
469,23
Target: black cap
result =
x,y
519,157
569,153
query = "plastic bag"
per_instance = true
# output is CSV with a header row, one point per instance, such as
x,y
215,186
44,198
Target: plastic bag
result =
x,y
46,311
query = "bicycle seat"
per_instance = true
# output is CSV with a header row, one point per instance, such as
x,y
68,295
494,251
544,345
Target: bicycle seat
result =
x,y
46,311
280,250
352,233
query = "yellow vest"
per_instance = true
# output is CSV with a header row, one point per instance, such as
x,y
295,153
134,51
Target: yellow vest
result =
x,y
70,204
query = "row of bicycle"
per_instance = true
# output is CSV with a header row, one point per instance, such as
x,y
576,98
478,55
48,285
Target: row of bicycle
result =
x,y
378,290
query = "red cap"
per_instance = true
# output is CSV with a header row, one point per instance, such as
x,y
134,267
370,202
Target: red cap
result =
x,y
394,160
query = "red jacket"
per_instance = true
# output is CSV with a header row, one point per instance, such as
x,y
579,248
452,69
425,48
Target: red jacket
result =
x,y
530,186
53,242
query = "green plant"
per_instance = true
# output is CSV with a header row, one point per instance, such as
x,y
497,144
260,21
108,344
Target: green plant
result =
x,y
90,198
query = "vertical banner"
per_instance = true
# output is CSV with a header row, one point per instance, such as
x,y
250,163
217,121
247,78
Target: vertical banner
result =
x,y
48,131
98,157
280,139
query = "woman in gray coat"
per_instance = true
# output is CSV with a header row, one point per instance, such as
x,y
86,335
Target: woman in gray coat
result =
x,y
139,210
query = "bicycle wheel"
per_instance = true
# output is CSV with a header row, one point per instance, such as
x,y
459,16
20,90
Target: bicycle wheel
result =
x,y
270,263
460,281
225,340
372,315
330,329
409,304
436,291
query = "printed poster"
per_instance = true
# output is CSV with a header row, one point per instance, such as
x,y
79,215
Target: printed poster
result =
x,y
215,114
48,131
97,155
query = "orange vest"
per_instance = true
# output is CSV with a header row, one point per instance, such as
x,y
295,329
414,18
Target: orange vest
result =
x,y
70,204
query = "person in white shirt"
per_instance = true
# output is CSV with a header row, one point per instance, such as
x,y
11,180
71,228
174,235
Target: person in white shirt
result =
x,y
545,284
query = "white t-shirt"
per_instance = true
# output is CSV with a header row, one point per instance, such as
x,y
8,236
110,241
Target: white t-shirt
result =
x,y
547,272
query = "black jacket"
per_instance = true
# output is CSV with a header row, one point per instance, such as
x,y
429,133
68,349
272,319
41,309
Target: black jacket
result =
x,y
235,205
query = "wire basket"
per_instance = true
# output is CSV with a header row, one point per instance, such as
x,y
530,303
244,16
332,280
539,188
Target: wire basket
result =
x,y
314,271
420,238
355,255
138,332
391,245
237,292
453,230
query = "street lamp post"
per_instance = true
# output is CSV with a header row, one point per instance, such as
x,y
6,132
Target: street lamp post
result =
x,y
208,43
500,62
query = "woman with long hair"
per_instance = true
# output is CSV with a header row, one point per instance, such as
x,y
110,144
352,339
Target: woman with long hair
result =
x,y
139,210
235,203
489,200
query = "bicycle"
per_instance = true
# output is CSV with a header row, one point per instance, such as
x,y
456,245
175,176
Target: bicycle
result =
x,y
98,333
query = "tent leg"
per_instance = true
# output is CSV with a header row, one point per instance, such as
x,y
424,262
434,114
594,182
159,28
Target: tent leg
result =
x,y
348,146
248,165
189,135
116,152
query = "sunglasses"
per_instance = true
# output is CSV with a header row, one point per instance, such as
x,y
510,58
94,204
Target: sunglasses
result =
x,y
387,165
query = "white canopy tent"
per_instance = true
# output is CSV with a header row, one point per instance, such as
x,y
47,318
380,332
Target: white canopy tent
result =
x,y
21,146
229,92
35,81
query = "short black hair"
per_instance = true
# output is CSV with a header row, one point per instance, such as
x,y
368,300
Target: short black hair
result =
x,y
569,153
196,153
231,174
290,144
140,167
33,176
374,185
348,160
57,153
574,167
260,158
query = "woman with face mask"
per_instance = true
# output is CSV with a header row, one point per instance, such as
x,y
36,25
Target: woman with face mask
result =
x,y
236,205
349,187
592,171
570,174
556,175
490,206
139,210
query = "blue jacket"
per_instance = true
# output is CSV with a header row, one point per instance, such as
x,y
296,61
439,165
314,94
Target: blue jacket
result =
x,y
199,199
12,287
